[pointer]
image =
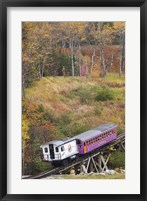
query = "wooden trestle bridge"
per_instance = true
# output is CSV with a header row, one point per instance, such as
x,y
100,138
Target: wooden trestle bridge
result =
x,y
96,161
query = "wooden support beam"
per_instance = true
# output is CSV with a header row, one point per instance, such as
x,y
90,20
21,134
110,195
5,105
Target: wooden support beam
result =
x,y
105,162
99,166
88,164
94,164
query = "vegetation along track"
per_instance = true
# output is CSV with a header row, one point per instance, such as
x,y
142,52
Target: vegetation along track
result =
x,y
120,139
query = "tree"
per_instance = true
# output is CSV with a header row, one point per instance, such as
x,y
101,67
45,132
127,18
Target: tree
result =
x,y
120,32
25,138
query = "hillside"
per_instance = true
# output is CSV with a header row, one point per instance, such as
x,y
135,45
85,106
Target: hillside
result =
x,y
60,107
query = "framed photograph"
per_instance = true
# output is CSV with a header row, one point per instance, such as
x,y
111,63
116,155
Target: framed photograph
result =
x,y
73,100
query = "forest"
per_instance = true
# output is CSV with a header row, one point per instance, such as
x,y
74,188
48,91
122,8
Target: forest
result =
x,y
73,79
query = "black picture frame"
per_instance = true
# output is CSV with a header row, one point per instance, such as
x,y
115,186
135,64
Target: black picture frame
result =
x,y
4,4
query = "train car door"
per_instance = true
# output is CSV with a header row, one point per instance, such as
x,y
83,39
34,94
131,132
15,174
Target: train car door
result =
x,y
85,148
51,148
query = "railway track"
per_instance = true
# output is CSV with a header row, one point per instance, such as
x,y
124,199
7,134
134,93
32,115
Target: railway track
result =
x,y
120,139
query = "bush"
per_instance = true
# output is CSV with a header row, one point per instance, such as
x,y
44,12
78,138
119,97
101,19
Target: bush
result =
x,y
41,108
63,123
64,119
104,94
38,165
49,116
85,95
80,128
97,110
117,160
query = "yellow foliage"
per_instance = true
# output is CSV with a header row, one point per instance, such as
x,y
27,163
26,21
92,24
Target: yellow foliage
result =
x,y
25,128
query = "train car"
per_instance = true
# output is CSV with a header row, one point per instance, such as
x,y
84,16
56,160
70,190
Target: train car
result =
x,y
61,151
57,151
95,138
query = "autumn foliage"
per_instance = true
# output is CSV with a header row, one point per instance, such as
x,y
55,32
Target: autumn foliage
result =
x,y
72,80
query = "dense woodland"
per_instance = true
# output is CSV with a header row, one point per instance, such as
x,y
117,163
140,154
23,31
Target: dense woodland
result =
x,y
72,81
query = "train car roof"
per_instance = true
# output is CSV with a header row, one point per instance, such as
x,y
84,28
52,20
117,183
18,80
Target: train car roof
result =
x,y
59,142
84,136
94,132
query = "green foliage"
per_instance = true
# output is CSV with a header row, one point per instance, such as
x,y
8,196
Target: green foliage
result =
x,y
64,64
41,108
84,94
63,124
38,165
117,160
80,128
98,110
87,95
59,64
64,119
91,94
104,94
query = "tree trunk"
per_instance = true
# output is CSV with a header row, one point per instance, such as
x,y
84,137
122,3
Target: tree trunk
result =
x,y
79,59
72,56
121,47
39,70
86,73
92,60
104,64
112,60
102,56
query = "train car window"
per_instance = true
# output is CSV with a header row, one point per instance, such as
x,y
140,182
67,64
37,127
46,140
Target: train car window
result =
x,y
46,150
78,142
57,149
62,148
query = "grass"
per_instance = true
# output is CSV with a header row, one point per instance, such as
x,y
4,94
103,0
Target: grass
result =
x,y
90,101
115,176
